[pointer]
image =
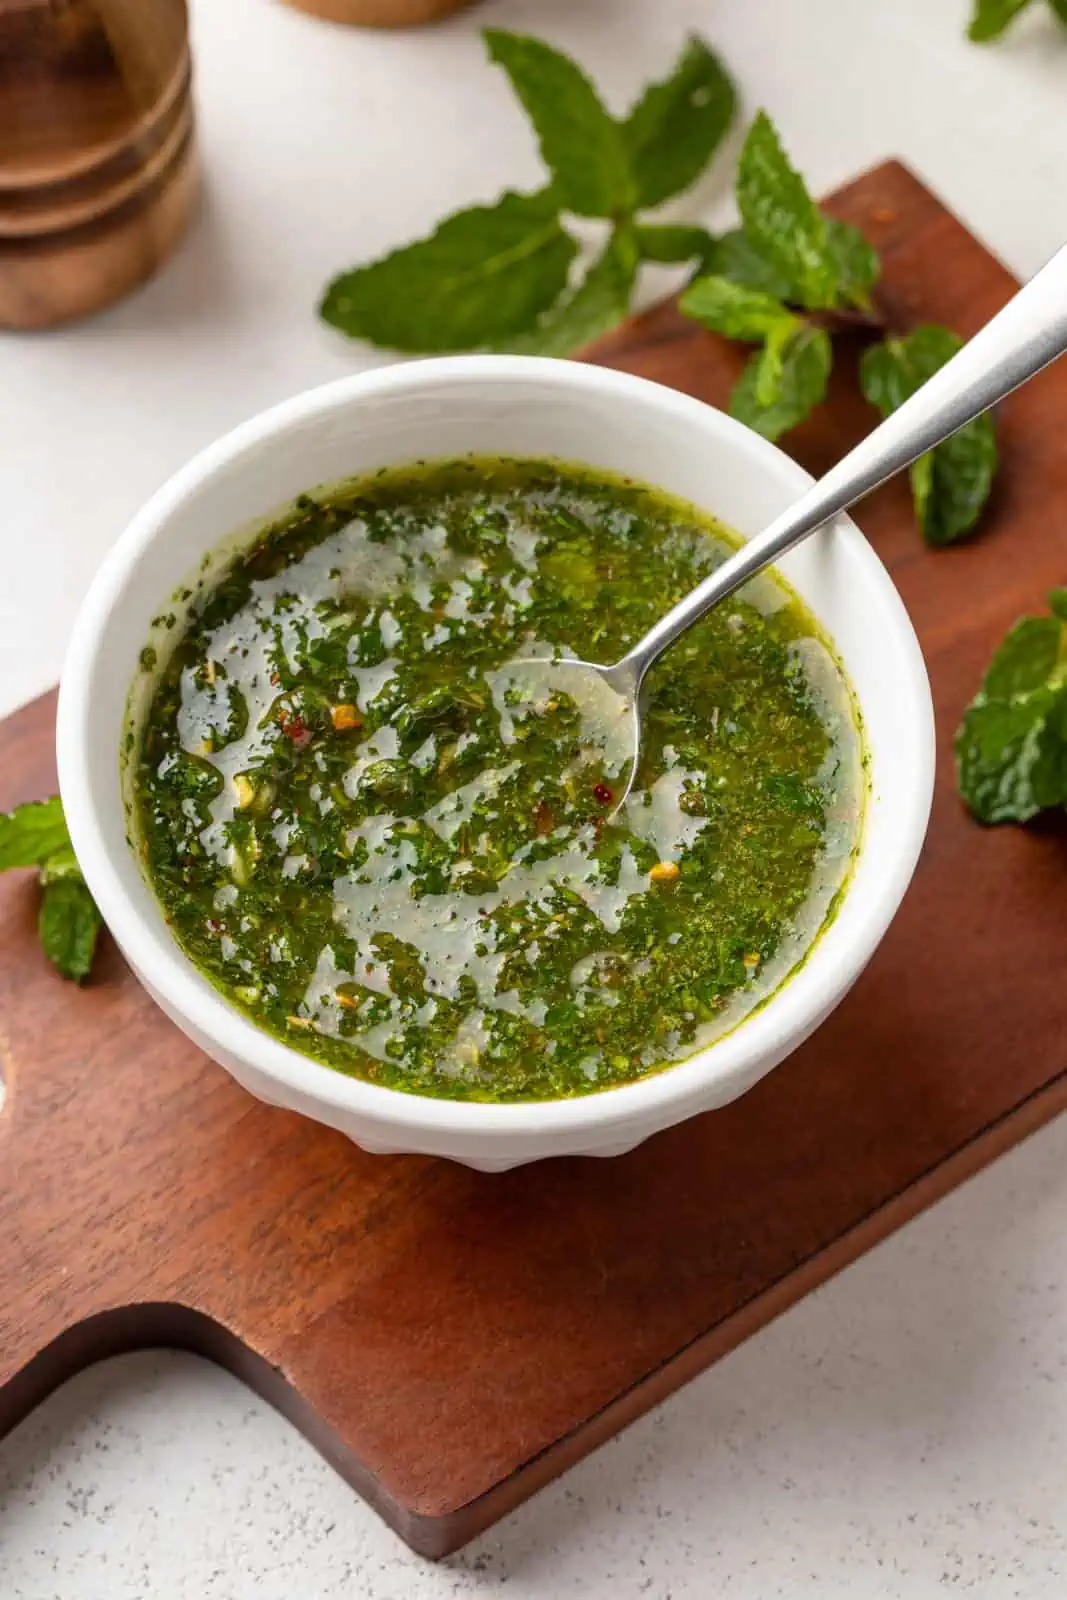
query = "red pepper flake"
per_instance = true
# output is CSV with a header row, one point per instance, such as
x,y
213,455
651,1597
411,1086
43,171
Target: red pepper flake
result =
x,y
295,728
214,925
603,795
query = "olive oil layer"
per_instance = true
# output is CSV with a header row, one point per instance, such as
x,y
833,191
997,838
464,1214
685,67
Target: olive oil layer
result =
x,y
365,837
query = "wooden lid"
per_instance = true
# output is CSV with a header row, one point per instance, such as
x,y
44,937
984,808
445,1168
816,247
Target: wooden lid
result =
x,y
380,13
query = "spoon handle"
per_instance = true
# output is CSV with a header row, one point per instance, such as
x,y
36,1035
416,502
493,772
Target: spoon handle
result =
x,y
1025,336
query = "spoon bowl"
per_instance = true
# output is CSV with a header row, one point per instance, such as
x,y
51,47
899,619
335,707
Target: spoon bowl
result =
x,y
608,703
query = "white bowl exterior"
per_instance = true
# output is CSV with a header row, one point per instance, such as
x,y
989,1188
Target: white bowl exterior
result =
x,y
493,405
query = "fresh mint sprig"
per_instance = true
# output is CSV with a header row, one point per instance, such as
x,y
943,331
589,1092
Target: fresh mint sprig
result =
x,y
1011,747
35,835
781,220
786,247
776,281
498,276
783,281
990,18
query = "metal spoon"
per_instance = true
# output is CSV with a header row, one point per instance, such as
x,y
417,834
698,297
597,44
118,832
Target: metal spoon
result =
x,y
1025,336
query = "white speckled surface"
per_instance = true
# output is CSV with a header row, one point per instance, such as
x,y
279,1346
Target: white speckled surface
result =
x,y
901,1434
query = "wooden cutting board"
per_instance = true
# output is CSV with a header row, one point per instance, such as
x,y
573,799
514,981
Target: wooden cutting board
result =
x,y
451,1339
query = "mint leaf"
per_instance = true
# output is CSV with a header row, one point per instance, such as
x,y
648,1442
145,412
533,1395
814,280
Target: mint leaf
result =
x,y
672,242
951,484
1048,778
991,17
855,263
770,374
1011,747
921,477
1026,659
674,129
733,255
63,864
928,347
733,310
31,833
581,144
35,835
482,275
600,301
962,476
68,925
884,376
797,381
1011,756
781,218
1057,604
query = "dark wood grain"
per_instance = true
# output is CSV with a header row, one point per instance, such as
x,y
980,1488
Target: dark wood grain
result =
x,y
452,1339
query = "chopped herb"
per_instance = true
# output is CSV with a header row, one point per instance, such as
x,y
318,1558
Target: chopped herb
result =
x,y
411,868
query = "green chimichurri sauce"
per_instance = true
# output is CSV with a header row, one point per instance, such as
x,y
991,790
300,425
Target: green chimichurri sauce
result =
x,y
390,866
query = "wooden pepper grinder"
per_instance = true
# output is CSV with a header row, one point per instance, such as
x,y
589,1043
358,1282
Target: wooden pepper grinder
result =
x,y
96,151
380,13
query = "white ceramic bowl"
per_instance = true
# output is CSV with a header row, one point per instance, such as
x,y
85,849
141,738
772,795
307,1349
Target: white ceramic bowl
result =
x,y
493,405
